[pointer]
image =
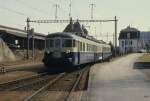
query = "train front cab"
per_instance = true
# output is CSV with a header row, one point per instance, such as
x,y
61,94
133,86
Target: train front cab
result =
x,y
59,52
73,51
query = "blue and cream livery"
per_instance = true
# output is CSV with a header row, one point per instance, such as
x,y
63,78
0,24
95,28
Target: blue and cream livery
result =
x,y
64,48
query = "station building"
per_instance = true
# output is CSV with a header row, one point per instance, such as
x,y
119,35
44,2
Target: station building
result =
x,y
129,40
17,38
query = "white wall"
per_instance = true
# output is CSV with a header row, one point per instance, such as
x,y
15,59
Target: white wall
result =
x,y
131,44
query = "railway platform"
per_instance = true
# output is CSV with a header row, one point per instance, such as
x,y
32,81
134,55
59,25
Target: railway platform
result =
x,y
118,80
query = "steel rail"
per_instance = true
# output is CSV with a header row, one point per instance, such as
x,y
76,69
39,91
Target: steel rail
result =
x,y
66,96
41,80
74,86
44,87
21,79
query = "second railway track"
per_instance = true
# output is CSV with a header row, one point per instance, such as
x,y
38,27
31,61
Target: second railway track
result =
x,y
41,87
6,86
65,83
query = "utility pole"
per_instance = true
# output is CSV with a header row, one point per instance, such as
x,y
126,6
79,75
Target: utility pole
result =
x,y
116,35
28,39
107,36
113,39
56,11
70,8
32,34
95,31
92,7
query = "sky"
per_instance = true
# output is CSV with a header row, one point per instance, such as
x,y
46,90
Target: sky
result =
x,y
13,13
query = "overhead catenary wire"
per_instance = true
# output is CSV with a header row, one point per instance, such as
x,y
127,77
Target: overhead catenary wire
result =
x,y
12,11
33,8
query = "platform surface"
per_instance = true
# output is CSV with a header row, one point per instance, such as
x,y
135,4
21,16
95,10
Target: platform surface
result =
x,y
118,80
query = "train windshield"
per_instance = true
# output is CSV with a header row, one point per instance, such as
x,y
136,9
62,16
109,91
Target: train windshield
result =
x,y
49,43
57,43
67,43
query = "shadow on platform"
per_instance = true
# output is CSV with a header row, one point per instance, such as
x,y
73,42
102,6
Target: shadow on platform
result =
x,y
141,65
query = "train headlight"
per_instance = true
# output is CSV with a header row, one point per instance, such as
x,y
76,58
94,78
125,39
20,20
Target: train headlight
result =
x,y
70,59
68,51
47,51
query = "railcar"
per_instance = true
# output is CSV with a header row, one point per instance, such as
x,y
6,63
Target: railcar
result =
x,y
69,49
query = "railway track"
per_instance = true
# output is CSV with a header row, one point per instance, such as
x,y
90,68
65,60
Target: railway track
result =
x,y
66,82
7,86
42,85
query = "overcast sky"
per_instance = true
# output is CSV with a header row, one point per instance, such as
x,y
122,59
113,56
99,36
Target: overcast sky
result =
x,y
13,13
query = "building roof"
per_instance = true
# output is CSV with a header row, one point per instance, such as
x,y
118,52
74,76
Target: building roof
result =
x,y
130,29
129,33
20,33
77,28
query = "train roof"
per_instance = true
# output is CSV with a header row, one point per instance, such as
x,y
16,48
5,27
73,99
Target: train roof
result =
x,y
74,36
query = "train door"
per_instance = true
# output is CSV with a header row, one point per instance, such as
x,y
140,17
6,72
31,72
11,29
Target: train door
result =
x,y
58,43
78,52
58,46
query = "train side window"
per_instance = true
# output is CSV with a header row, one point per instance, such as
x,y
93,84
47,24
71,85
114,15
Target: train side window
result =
x,y
93,48
49,43
83,46
74,43
90,48
80,46
87,47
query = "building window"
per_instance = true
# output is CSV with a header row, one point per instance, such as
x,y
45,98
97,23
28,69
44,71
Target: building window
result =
x,y
128,35
131,42
122,43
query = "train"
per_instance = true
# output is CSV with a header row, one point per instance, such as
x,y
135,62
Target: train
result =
x,y
69,49
74,47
